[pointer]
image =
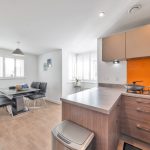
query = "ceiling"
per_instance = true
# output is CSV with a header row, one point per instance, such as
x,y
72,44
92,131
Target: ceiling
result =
x,y
73,25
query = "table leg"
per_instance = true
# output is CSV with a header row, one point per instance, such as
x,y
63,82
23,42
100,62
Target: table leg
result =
x,y
19,105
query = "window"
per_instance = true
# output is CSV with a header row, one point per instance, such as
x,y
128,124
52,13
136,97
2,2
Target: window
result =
x,y
79,67
1,66
86,67
93,66
11,67
72,66
19,68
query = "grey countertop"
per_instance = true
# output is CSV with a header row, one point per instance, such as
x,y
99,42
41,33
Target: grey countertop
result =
x,y
101,99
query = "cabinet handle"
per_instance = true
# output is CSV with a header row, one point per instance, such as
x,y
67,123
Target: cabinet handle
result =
x,y
142,128
142,110
140,101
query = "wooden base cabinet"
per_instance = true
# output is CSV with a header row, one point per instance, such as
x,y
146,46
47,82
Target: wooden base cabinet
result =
x,y
135,118
105,127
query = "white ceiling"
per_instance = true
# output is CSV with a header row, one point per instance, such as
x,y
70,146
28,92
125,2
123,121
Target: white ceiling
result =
x,y
74,25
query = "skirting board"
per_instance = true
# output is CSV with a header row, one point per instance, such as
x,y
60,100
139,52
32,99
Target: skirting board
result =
x,y
54,101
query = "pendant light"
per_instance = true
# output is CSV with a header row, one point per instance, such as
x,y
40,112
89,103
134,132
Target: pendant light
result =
x,y
18,52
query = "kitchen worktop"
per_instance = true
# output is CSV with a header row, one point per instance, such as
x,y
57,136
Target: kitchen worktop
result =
x,y
101,99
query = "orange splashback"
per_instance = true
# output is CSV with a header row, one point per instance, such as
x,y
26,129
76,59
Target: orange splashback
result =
x,y
139,70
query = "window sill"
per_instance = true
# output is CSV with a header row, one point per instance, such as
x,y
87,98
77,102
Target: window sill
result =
x,y
92,82
84,81
15,78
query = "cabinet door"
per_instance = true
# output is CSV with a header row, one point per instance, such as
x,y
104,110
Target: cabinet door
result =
x,y
113,47
138,42
135,118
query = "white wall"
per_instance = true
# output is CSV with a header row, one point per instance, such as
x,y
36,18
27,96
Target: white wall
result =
x,y
109,72
53,76
67,87
31,70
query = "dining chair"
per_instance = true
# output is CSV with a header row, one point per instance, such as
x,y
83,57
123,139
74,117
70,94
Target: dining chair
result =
x,y
35,85
6,102
39,95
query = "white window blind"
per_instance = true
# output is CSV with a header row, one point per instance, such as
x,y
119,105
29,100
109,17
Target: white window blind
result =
x,y
83,66
93,64
79,67
9,67
19,68
1,66
87,66
72,66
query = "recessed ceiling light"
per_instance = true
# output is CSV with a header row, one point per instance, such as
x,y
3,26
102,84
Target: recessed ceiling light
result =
x,y
135,8
116,61
101,14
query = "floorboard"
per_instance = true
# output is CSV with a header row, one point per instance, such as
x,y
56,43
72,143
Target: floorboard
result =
x,y
29,131
32,130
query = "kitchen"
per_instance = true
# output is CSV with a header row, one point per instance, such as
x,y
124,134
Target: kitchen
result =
x,y
75,75
115,110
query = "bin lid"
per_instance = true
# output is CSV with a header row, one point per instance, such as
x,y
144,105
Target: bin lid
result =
x,y
73,132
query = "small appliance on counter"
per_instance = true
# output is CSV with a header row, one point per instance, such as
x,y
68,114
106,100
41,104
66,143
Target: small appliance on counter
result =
x,y
134,88
70,136
137,89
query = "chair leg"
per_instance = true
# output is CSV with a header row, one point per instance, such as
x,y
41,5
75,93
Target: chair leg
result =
x,y
44,101
34,103
9,109
26,101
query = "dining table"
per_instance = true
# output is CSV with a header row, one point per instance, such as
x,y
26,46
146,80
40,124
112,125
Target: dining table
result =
x,y
17,96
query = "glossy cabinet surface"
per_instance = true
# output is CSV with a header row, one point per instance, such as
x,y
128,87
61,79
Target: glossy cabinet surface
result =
x,y
134,43
113,47
138,42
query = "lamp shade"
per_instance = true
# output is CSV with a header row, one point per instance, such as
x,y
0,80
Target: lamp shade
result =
x,y
18,52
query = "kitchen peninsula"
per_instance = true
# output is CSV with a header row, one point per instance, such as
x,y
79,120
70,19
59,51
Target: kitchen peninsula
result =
x,y
104,110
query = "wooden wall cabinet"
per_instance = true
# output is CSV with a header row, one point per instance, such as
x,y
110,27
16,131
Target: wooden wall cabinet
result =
x,y
113,47
138,42
131,44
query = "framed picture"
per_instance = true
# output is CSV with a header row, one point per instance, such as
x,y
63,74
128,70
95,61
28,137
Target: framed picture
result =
x,y
45,66
49,63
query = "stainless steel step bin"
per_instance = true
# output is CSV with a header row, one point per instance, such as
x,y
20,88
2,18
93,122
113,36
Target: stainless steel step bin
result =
x,y
70,136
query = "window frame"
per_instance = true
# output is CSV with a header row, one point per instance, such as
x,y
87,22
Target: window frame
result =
x,y
2,66
16,68
90,58
15,77
80,56
74,67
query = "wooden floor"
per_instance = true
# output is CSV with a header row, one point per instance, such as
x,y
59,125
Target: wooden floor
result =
x,y
30,131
